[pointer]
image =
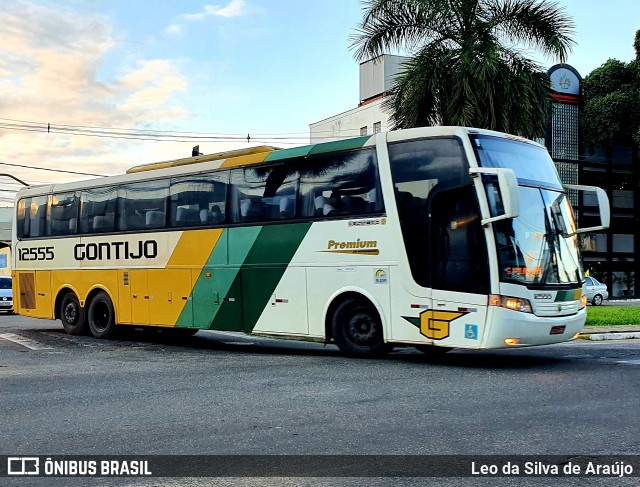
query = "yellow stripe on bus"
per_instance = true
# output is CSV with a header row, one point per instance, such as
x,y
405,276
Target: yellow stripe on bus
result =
x,y
194,248
248,159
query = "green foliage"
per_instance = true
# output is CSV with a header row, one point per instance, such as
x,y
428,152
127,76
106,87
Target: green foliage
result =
x,y
467,66
611,94
613,315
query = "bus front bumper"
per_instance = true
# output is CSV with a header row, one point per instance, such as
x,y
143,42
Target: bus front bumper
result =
x,y
512,329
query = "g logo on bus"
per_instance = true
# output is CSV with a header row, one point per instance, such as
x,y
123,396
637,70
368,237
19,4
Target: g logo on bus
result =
x,y
435,324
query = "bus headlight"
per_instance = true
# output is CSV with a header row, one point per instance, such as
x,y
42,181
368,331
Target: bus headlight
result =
x,y
510,302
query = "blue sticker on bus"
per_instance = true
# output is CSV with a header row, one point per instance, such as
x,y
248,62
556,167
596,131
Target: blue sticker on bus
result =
x,y
471,332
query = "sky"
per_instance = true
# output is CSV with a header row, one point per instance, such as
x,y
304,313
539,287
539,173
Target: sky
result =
x,y
204,73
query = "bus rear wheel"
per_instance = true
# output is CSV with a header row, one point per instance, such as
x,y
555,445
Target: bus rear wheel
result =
x,y
357,329
72,314
101,316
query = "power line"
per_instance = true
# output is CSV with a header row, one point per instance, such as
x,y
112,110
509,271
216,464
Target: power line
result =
x,y
286,135
52,170
156,135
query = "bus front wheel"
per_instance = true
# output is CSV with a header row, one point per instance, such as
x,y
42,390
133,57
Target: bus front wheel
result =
x,y
357,329
102,318
72,314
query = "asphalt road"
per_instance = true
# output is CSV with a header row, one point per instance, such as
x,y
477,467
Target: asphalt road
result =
x,y
223,393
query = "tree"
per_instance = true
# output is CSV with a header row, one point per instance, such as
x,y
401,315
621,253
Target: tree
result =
x,y
611,96
467,64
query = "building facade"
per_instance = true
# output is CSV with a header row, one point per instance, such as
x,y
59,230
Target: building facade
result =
x,y
369,117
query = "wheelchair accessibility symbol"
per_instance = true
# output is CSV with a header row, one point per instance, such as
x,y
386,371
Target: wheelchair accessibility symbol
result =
x,y
471,332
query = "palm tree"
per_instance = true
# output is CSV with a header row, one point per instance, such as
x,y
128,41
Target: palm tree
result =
x,y
468,62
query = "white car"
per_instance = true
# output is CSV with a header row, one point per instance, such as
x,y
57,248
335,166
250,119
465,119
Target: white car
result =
x,y
596,292
6,295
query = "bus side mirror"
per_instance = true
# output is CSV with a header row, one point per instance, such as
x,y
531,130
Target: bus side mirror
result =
x,y
504,200
603,206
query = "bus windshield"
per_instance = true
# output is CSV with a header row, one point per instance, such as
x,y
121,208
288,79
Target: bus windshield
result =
x,y
539,247
531,163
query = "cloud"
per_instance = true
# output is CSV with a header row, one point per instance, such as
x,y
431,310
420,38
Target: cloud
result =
x,y
235,8
174,29
52,70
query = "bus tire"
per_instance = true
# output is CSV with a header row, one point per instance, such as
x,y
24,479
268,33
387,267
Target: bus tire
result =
x,y
357,329
432,350
101,316
72,315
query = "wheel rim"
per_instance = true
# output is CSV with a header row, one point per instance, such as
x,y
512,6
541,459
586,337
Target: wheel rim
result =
x,y
101,316
71,312
597,300
363,328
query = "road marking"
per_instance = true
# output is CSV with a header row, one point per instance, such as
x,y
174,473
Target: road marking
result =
x,y
25,342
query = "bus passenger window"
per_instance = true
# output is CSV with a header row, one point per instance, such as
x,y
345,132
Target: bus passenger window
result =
x,y
63,214
22,218
264,194
143,205
37,216
98,210
198,200
340,184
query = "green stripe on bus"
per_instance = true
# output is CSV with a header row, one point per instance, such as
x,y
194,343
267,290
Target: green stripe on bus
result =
x,y
265,266
216,280
339,145
227,315
566,296
288,153
262,270
308,150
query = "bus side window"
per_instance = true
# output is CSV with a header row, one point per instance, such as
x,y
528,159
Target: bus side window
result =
x,y
143,205
37,216
264,194
280,192
198,200
22,218
63,214
340,184
98,210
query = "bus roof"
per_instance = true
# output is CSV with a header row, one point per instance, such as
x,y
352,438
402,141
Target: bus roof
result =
x,y
204,158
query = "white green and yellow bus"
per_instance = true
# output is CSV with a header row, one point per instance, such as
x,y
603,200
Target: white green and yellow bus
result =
x,y
435,237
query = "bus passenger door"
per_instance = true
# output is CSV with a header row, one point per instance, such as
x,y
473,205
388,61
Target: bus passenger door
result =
x,y
459,266
139,296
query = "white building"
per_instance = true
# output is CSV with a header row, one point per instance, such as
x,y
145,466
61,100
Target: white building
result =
x,y
376,79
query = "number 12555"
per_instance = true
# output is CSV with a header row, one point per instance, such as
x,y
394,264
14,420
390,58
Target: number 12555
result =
x,y
36,253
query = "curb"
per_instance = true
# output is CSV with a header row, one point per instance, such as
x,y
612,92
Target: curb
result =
x,y
609,336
